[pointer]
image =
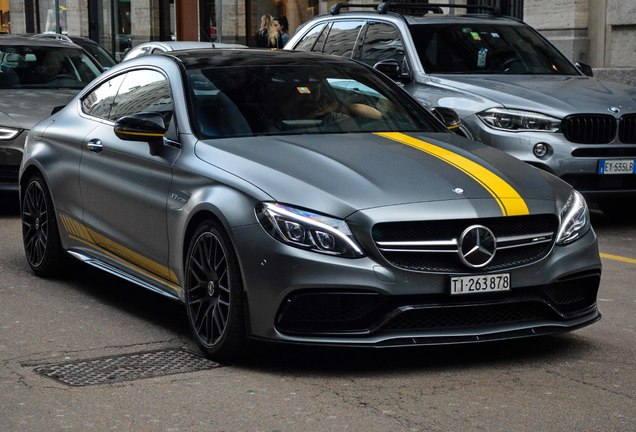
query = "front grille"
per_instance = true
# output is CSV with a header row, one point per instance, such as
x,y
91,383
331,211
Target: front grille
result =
x,y
589,129
627,129
445,259
9,174
470,316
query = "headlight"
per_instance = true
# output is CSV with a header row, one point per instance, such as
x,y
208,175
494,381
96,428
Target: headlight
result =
x,y
307,230
7,133
575,219
519,121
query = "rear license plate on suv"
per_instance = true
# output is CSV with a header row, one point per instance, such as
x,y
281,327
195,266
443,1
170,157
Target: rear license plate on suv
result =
x,y
616,166
480,283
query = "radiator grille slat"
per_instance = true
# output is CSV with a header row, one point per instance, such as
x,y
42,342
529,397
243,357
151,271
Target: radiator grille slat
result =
x,y
589,129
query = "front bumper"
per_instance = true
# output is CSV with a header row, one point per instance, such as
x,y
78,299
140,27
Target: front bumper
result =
x,y
10,158
302,297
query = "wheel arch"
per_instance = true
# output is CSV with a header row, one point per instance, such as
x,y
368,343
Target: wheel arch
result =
x,y
197,219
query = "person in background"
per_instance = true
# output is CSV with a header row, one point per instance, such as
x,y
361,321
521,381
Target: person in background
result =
x,y
268,36
262,35
282,26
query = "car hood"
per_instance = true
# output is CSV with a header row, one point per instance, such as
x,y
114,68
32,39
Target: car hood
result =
x,y
24,108
340,174
558,96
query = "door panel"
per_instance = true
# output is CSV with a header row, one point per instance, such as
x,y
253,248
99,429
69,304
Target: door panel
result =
x,y
124,184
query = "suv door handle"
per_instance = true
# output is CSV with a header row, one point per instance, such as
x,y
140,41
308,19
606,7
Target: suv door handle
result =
x,y
95,145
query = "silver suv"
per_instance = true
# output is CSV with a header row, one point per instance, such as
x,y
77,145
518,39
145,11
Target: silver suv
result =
x,y
512,89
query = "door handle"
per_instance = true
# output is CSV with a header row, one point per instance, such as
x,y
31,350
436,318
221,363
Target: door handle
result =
x,y
95,145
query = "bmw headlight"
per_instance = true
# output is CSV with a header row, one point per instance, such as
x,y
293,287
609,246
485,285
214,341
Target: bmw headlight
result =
x,y
575,219
7,133
307,230
519,121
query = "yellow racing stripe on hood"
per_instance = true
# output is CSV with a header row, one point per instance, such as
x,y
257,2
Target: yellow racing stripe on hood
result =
x,y
507,197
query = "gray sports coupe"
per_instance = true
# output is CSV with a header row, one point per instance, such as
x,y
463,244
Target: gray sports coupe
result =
x,y
303,198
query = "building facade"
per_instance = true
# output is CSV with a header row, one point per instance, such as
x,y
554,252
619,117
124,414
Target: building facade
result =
x,y
601,33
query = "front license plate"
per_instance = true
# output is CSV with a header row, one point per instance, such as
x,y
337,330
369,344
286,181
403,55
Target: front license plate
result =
x,y
480,284
616,166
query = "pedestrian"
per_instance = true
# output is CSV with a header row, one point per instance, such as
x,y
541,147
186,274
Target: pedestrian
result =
x,y
282,26
262,35
267,35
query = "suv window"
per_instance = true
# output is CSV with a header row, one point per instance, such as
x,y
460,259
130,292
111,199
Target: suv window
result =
x,y
382,41
486,48
310,39
342,37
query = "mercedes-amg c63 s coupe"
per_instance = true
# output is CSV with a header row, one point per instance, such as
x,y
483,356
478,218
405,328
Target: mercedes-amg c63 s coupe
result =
x,y
303,198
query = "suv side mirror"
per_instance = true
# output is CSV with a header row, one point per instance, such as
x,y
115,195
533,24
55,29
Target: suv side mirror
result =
x,y
392,69
449,117
143,126
585,69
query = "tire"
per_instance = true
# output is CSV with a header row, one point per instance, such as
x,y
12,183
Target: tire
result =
x,y
214,294
40,233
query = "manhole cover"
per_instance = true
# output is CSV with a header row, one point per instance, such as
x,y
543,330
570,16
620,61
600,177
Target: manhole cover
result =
x,y
125,367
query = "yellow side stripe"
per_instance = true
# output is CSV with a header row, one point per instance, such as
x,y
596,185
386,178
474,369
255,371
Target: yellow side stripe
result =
x,y
505,195
79,231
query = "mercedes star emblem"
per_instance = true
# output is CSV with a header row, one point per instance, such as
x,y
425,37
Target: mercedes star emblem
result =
x,y
477,246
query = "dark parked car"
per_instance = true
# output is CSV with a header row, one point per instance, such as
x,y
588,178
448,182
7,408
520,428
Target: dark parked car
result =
x,y
303,198
512,89
98,52
36,75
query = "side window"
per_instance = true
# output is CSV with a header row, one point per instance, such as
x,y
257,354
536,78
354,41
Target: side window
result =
x,y
143,91
342,38
382,42
99,102
308,41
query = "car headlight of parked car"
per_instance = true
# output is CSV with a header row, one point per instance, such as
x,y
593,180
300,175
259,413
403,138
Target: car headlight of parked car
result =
x,y
519,121
308,230
7,133
575,219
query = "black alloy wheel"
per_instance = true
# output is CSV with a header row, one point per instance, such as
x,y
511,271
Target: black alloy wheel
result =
x,y
213,293
40,233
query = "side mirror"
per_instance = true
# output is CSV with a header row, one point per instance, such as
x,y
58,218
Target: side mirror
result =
x,y
585,69
143,126
449,117
392,69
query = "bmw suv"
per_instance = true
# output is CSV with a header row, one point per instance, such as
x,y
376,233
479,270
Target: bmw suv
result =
x,y
512,89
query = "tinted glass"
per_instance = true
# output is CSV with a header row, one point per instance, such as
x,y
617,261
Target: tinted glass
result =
x,y
487,49
143,91
98,102
382,42
45,67
308,41
342,38
295,99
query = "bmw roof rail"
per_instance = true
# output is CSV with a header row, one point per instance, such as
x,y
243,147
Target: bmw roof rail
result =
x,y
384,7
335,9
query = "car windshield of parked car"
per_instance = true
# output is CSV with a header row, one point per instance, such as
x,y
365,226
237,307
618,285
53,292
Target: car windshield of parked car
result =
x,y
45,67
487,49
299,99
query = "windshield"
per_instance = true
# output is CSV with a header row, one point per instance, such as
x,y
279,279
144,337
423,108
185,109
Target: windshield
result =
x,y
299,99
487,49
30,67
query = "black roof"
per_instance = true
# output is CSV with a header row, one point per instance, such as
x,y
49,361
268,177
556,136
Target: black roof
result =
x,y
222,57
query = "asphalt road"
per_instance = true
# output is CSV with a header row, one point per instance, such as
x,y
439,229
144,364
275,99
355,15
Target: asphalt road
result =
x,y
580,381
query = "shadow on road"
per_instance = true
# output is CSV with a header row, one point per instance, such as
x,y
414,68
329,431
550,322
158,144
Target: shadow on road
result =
x,y
9,204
